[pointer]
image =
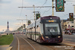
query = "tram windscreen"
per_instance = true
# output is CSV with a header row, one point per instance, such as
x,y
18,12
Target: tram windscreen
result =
x,y
52,29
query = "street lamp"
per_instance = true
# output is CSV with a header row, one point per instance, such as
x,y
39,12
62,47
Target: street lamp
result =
x,y
74,10
26,21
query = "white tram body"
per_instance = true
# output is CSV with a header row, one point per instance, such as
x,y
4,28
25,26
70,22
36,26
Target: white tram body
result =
x,y
41,33
31,30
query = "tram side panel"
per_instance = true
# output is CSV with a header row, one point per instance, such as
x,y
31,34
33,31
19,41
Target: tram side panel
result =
x,y
28,33
39,32
33,33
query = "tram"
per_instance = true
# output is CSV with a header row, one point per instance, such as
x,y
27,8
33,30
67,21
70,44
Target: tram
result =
x,y
46,29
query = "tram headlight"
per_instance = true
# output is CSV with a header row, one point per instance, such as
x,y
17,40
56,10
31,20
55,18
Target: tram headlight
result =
x,y
46,37
58,36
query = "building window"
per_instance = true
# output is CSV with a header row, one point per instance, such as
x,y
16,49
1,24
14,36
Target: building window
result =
x,y
72,22
65,25
37,26
72,26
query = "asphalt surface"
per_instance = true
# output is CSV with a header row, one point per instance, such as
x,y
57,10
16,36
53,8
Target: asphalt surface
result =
x,y
21,42
69,38
14,44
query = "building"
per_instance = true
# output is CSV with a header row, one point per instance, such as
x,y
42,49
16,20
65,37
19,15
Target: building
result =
x,y
66,24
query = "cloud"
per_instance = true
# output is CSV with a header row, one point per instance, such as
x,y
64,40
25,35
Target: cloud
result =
x,y
5,1
70,0
10,12
5,28
2,28
4,17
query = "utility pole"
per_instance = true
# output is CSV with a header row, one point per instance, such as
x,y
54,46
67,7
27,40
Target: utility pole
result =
x,y
22,23
74,10
52,7
26,20
34,13
35,21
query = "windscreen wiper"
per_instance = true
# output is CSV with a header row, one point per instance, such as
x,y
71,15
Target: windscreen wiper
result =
x,y
51,34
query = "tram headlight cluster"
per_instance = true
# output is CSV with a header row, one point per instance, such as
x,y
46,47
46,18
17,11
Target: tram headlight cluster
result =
x,y
46,37
58,36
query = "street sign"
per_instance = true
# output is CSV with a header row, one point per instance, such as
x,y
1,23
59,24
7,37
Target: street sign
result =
x,y
59,5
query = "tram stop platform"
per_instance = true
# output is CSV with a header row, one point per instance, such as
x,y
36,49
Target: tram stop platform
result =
x,y
5,47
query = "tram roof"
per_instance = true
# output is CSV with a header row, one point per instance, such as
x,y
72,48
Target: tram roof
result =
x,y
41,18
53,17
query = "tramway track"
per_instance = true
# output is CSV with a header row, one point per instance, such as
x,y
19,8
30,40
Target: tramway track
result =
x,y
22,42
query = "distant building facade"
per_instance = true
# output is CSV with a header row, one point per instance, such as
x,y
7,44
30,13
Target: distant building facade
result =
x,y
66,24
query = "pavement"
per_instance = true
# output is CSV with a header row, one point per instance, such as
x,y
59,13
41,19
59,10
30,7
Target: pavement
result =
x,y
3,34
67,41
5,47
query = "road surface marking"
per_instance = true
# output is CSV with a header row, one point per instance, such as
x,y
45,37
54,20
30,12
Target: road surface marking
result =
x,y
28,43
18,42
70,44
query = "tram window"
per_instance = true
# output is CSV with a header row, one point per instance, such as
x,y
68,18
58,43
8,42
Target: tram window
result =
x,y
72,26
65,25
31,28
52,29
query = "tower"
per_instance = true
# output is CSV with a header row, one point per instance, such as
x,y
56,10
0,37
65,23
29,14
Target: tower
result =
x,y
7,31
7,26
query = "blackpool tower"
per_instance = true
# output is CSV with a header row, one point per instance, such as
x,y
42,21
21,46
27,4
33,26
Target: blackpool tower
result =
x,y
7,25
7,31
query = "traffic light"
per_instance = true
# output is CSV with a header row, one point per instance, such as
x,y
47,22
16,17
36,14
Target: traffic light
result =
x,y
37,16
59,5
29,22
71,16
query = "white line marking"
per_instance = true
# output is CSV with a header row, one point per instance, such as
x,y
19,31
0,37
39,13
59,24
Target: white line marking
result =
x,y
28,43
18,43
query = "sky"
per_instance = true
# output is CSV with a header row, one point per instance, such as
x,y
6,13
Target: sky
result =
x,y
9,11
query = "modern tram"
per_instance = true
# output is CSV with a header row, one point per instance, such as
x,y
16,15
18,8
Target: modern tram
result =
x,y
45,30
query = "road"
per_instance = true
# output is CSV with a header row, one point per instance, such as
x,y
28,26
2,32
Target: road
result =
x,y
21,42
69,38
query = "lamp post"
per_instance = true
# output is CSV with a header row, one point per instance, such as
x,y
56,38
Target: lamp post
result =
x,y
74,10
34,20
52,8
26,21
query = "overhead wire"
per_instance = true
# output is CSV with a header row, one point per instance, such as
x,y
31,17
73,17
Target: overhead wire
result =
x,y
47,10
43,4
21,9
